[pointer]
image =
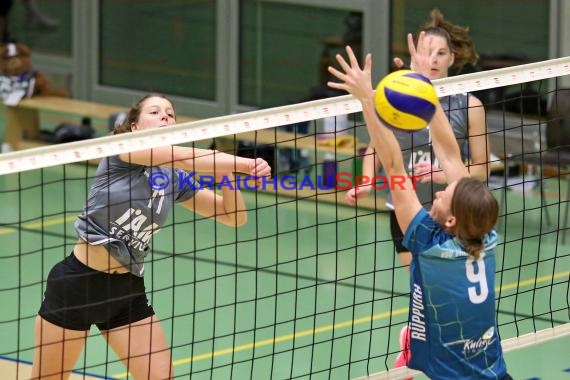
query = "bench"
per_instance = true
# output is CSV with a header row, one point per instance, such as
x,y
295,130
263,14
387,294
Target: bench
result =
x,y
23,120
23,131
23,126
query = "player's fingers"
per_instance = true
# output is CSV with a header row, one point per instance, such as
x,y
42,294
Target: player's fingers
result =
x,y
420,48
433,51
336,73
343,64
340,76
421,168
367,63
262,172
352,58
263,163
399,62
338,86
254,165
411,47
262,168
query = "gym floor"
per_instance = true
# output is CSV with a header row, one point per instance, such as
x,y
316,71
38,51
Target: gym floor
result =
x,y
304,288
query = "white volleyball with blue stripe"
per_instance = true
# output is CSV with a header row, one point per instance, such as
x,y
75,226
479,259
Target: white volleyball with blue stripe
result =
x,y
405,100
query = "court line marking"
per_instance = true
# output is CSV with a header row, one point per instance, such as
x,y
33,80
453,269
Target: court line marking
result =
x,y
349,323
293,336
24,369
38,225
71,218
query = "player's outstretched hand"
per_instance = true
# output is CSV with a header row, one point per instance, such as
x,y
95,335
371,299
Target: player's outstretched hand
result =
x,y
422,54
354,80
399,62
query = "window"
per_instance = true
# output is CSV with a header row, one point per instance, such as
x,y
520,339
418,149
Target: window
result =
x,y
165,46
505,32
45,26
285,48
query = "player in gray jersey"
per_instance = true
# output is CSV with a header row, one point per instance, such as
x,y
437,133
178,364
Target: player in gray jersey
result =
x,y
101,281
467,118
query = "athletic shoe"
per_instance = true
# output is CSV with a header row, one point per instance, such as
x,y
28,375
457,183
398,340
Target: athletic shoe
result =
x,y
405,354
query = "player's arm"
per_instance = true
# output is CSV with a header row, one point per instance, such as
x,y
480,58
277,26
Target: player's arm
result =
x,y
370,166
227,208
478,165
198,160
370,163
358,82
478,140
444,143
445,147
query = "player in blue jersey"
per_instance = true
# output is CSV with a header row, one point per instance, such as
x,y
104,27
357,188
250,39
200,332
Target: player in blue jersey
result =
x,y
101,282
466,116
452,327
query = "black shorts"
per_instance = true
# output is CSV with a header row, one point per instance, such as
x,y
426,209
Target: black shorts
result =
x,y
77,297
397,234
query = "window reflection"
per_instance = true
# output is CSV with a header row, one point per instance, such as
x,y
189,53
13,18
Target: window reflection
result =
x,y
163,46
285,49
505,32
45,26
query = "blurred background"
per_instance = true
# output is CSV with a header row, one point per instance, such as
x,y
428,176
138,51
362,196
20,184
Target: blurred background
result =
x,y
217,57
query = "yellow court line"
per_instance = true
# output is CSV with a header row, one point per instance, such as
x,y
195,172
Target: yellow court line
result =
x,y
280,339
533,281
289,337
286,337
38,225
359,321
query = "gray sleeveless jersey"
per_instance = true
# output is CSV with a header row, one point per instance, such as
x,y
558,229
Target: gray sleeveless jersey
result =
x,y
416,146
123,211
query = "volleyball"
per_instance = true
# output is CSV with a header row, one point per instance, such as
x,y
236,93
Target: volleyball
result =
x,y
405,100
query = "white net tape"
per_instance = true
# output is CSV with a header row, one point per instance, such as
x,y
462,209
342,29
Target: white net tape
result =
x,y
510,344
258,120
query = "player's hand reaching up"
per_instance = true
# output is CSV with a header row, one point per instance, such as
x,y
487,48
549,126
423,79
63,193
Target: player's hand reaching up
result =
x,y
421,55
399,62
354,80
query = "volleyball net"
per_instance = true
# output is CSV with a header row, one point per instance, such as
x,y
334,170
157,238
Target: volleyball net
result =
x,y
310,286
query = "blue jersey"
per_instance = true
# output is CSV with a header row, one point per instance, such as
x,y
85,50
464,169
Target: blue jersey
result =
x,y
452,305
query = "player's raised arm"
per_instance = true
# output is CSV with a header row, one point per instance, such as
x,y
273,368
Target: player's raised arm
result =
x,y
357,82
444,143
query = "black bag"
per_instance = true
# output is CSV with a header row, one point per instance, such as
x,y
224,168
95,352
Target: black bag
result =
x,y
66,132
